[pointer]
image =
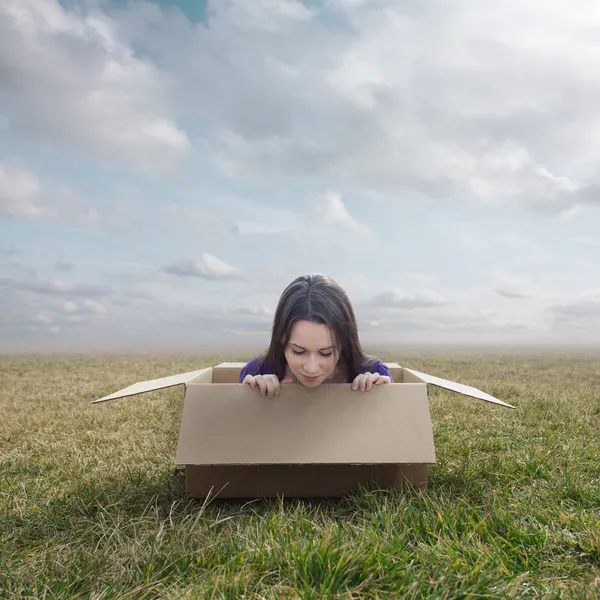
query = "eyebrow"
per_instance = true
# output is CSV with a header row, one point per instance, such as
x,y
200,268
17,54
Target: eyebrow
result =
x,y
303,348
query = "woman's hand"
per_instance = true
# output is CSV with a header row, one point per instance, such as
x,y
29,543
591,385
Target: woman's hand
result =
x,y
365,381
268,385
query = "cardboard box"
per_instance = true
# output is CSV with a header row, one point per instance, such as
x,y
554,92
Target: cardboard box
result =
x,y
322,442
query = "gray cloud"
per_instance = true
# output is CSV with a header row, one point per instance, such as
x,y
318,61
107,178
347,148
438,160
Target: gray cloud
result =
x,y
406,300
64,266
254,311
135,298
579,314
206,267
98,94
258,228
11,251
451,102
46,314
447,326
62,288
23,196
30,309
455,103
586,241
517,288
323,222
444,327
509,293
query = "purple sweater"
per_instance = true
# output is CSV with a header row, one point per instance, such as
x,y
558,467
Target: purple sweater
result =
x,y
378,367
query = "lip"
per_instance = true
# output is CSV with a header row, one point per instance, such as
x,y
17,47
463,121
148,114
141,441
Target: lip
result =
x,y
310,378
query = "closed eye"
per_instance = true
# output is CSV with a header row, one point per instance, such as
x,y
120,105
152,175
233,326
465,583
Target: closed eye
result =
x,y
325,354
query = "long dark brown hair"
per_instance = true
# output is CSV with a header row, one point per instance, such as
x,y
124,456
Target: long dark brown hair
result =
x,y
318,299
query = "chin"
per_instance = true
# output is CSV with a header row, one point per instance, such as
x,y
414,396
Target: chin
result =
x,y
311,384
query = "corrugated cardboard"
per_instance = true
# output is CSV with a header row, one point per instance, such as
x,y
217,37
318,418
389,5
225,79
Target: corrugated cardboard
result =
x,y
322,442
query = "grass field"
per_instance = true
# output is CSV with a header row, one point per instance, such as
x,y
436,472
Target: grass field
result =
x,y
91,506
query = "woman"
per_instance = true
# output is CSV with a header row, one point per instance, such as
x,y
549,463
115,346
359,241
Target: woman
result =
x,y
314,340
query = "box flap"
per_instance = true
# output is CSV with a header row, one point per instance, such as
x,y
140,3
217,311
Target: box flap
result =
x,y
154,384
234,365
227,372
233,424
457,387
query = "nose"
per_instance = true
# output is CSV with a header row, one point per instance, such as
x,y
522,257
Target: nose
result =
x,y
311,365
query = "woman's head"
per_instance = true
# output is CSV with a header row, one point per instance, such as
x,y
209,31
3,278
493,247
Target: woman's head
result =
x,y
314,327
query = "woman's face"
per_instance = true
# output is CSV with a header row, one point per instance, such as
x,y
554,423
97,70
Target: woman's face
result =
x,y
310,354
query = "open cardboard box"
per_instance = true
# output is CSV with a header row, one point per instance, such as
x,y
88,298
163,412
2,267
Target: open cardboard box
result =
x,y
323,442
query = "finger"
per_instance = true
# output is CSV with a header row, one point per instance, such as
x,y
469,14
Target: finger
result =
x,y
287,380
362,382
366,384
371,378
262,384
270,387
250,380
355,383
383,379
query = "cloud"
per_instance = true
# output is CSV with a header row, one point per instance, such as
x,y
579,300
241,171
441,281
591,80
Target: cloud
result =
x,y
248,332
23,197
253,311
19,192
330,209
11,251
63,266
466,234
586,241
206,267
139,299
56,287
253,16
461,324
317,220
516,241
28,308
455,104
518,288
69,307
452,102
258,228
98,94
197,217
449,315
582,313
92,307
128,317
257,218
396,298
72,312
61,287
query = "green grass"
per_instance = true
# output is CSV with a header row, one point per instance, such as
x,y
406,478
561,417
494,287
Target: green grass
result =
x,y
91,506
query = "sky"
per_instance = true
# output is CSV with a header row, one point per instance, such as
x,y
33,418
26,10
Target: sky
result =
x,y
168,167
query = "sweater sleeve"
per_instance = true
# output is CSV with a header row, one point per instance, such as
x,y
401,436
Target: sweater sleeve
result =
x,y
247,369
380,368
252,368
